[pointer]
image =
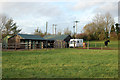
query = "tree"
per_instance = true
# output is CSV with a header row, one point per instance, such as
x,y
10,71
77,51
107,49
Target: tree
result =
x,y
112,29
7,27
117,28
10,28
99,28
113,34
109,21
39,32
3,21
59,33
15,30
92,31
102,35
104,22
82,36
67,31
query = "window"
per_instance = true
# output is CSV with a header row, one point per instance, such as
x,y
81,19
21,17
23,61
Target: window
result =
x,y
74,42
71,42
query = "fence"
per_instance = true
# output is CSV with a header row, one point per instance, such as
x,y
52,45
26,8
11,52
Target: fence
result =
x,y
25,46
102,45
56,44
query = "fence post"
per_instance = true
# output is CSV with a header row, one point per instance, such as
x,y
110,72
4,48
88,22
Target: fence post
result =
x,y
46,45
28,45
41,45
95,44
61,44
101,47
15,45
88,45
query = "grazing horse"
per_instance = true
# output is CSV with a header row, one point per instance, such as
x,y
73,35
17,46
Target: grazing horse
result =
x,y
106,42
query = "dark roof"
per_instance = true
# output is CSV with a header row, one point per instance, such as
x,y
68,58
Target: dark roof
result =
x,y
31,37
55,37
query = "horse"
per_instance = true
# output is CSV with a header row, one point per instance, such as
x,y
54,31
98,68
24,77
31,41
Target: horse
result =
x,y
106,42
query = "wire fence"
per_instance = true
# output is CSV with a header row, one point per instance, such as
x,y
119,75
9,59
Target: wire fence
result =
x,y
102,45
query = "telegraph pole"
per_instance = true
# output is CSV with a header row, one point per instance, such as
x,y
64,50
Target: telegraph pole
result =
x,y
74,31
76,25
55,28
46,26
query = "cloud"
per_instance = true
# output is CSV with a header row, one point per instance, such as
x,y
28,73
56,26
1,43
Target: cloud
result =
x,y
30,15
35,0
111,7
31,9
87,4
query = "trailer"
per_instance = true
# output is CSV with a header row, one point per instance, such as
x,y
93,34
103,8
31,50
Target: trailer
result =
x,y
76,43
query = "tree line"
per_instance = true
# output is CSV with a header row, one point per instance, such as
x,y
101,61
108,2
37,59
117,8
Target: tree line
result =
x,y
101,27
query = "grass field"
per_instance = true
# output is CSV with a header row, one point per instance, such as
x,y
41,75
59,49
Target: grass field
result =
x,y
60,63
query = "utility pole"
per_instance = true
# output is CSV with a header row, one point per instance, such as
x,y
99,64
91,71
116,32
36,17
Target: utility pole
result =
x,y
74,31
55,28
46,27
76,25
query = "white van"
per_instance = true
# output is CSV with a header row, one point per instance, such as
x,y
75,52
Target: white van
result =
x,y
76,43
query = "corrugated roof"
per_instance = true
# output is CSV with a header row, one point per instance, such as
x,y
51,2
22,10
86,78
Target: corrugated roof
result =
x,y
31,37
55,37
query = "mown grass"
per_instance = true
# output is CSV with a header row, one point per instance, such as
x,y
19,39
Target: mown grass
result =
x,y
60,63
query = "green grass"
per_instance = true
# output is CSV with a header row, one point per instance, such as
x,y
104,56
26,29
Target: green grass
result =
x,y
112,44
60,63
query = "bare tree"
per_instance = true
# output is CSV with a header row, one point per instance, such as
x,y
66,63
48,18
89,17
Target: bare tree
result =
x,y
39,32
67,31
59,33
109,21
100,26
104,22
3,21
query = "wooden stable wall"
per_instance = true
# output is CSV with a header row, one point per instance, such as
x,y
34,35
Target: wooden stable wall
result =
x,y
14,42
18,42
27,44
60,44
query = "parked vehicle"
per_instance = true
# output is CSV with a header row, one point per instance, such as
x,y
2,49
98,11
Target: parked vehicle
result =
x,y
76,43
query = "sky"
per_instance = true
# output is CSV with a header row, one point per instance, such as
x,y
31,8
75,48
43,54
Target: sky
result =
x,y
32,14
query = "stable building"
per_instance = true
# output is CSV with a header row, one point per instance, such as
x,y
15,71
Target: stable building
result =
x,y
58,41
26,41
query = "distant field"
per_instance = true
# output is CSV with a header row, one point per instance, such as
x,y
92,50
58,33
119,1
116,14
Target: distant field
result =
x,y
112,44
60,63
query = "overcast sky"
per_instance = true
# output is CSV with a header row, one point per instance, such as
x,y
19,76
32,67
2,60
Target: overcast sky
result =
x,y
33,13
